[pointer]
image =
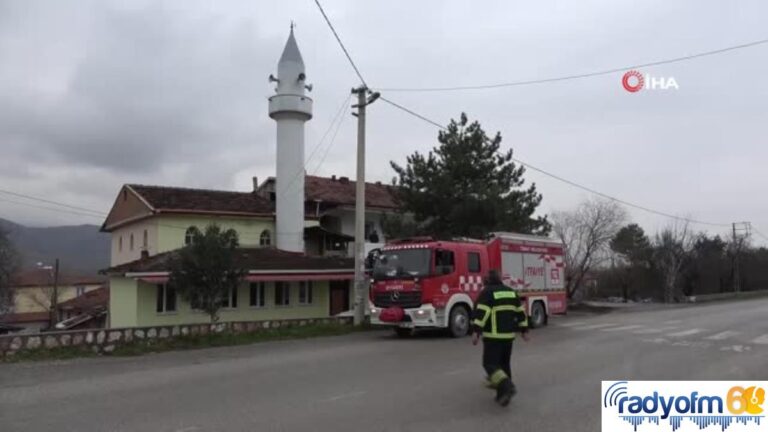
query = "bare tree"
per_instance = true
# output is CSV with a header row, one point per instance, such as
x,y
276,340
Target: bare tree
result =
x,y
8,264
586,232
672,246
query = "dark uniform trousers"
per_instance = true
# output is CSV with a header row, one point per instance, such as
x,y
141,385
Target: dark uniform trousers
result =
x,y
497,354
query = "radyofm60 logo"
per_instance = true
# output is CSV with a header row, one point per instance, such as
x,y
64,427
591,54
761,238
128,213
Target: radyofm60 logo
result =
x,y
684,406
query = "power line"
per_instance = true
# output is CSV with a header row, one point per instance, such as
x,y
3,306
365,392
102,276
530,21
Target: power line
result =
x,y
564,180
757,231
338,39
578,76
301,172
57,210
330,145
47,201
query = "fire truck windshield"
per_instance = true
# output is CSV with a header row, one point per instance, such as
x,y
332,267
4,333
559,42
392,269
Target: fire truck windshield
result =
x,y
405,263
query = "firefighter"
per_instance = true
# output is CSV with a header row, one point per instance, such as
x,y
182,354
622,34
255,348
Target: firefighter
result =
x,y
498,316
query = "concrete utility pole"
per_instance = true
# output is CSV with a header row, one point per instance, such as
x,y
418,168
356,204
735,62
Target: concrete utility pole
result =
x,y
361,284
738,243
55,300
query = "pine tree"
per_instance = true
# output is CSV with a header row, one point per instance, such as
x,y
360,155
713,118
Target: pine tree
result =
x,y
205,272
467,186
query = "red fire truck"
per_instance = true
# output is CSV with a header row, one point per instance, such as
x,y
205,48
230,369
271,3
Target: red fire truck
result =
x,y
427,283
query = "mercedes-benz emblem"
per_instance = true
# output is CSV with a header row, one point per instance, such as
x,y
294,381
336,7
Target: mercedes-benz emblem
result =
x,y
395,295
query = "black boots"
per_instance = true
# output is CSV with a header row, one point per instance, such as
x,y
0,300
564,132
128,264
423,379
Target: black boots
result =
x,y
504,392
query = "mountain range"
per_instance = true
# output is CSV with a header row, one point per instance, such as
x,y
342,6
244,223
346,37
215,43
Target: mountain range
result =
x,y
81,249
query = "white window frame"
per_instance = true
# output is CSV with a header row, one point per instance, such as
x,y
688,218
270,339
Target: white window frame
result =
x,y
286,286
261,295
307,288
265,235
232,295
188,236
165,310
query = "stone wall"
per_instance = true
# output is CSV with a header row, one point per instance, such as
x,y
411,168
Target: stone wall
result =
x,y
106,340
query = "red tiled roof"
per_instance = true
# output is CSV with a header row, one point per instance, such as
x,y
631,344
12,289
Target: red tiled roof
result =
x,y
176,199
341,191
89,300
264,259
40,277
26,317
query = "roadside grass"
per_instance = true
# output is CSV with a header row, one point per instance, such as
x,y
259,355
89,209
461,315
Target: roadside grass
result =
x,y
187,342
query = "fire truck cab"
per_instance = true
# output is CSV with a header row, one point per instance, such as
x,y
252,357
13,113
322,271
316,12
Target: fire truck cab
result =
x,y
426,283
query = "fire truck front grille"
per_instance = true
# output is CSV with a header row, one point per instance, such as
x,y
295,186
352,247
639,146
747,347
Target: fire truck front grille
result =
x,y
404,299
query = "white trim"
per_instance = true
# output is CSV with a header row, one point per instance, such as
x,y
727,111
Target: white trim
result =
x,y
529,302
255,272
146,274
299,271
141,198
457,298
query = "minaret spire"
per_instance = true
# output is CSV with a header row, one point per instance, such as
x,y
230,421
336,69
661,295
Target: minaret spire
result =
x,y
290,108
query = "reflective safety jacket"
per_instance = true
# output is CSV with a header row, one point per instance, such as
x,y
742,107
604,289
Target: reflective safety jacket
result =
x,y
499,313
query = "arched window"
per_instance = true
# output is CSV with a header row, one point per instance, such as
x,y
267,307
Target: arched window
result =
x,y
189,236
265,239
120,244
145,240
131,242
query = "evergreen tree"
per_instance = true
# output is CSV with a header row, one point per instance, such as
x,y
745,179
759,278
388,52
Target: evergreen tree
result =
x,y
467,186
205,272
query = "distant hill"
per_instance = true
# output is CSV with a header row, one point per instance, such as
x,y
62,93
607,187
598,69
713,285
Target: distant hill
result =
x,y
81,248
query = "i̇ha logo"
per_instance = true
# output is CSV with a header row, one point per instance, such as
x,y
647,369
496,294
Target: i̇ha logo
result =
x,y
633,81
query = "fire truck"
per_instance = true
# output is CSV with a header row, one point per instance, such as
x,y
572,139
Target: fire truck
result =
x,y
427,283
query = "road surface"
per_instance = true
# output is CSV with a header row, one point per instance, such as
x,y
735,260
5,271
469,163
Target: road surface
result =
x,y
375,382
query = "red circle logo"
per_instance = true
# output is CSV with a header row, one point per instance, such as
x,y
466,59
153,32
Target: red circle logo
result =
x,y
638,78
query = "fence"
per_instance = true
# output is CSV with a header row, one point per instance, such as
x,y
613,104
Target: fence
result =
x,y
106,340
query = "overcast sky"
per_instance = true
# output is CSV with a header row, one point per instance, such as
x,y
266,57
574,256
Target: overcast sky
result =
x,y
94,94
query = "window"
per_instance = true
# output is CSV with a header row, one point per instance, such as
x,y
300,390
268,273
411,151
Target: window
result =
x,y
145,240
444,262
282,294
257,295
125,195
230,301
120,244
473,262
265,239
189,236
166,299
130,243
305,292
79,290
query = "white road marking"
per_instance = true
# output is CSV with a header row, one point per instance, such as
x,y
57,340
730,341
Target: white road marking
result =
x,y
457,371
344,396
622,328
654,330
762,340
685,333
723,335
736,348
673,322
593,326
570,323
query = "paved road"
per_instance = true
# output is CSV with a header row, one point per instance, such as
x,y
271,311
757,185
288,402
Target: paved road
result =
x,y
374,382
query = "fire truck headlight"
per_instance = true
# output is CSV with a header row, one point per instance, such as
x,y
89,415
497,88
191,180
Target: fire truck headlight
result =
x,y
374,311
421,313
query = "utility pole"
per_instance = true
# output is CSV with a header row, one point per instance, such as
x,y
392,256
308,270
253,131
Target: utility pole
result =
x,y
55,299
737,245
361,284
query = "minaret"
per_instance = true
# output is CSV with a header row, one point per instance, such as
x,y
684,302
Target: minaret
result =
x,y
290,108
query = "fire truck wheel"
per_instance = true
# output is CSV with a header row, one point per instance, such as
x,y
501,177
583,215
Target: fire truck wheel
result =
x,y
538,316
458,324
403,332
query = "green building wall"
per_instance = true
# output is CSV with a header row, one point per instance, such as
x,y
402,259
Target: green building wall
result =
x,y
133,304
